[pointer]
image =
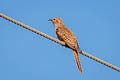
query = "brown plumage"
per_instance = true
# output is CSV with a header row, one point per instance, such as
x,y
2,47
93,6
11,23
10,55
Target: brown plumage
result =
x,y
66,35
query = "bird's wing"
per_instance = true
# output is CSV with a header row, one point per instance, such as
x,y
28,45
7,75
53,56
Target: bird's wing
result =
x,y
64,34
77,60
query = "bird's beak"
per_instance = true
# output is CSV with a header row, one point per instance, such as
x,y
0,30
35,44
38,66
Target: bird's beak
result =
x,y
50,20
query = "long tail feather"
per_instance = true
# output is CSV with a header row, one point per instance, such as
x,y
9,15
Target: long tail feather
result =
x,y
77,60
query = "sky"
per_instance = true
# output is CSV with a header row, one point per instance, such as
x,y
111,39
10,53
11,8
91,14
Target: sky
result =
x,y
25,55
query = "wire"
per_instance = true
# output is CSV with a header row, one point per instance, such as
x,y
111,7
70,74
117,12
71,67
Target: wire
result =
x,y
57,41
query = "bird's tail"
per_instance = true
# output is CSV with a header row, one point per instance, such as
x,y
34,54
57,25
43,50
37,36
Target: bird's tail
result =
x,y
77,60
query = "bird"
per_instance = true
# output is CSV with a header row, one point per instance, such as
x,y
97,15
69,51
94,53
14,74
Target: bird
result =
x,y
66,35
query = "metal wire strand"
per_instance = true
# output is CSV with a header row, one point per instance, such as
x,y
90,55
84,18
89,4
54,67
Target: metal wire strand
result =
x,y
57,41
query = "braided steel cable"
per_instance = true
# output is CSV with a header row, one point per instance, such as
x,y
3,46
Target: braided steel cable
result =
x,y
58,41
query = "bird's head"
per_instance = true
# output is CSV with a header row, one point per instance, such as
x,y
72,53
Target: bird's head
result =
x,y
56,20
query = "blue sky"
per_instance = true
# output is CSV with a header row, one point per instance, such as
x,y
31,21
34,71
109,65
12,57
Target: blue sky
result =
x,y
27,56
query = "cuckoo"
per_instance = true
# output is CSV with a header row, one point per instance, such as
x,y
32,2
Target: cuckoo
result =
x,y
66,35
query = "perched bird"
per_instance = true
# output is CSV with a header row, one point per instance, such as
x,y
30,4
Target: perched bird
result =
x,y
64,34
